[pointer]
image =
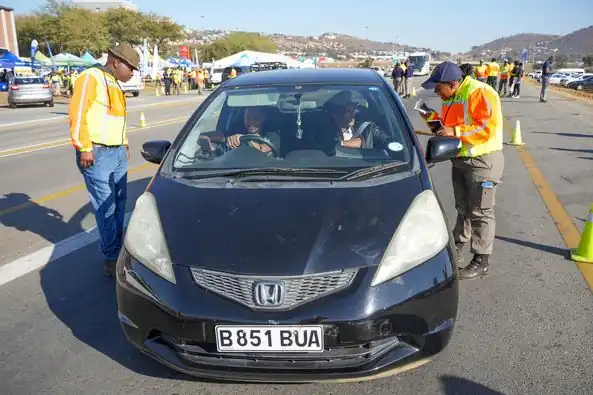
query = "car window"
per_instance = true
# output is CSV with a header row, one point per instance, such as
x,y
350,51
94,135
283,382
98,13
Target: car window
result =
x,y
295,126
28,81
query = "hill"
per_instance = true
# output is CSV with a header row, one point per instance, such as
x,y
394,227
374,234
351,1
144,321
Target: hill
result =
x,y
574,45
326,44
580,41
514,42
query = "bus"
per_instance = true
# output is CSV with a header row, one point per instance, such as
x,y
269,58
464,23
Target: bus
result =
x,y
420,62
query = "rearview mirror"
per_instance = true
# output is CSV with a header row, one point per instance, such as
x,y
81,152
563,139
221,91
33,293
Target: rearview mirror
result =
x,y
154,151
442,148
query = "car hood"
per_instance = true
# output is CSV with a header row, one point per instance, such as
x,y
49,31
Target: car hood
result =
x,y
280,231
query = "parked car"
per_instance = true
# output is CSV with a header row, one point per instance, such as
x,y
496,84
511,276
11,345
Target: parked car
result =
x,y
29,90
293,256
575,77
585,84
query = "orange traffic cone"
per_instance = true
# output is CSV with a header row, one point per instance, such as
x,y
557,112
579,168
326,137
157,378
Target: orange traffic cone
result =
x,y
584,252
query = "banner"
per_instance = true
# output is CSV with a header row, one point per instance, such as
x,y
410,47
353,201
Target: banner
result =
x,y
34,49
184,52
524,56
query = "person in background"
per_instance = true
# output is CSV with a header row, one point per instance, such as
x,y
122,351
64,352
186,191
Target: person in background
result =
x,y
167,79
517,83
546,73
471,112
200,81
396,75
482,72
504,78
493,72
512,66
409,75
97,117
467,70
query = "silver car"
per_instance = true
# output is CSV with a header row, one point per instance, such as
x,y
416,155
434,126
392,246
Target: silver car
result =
x,y
29,90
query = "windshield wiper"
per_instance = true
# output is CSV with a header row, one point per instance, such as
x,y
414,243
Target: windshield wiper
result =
x,y
260,171
371,171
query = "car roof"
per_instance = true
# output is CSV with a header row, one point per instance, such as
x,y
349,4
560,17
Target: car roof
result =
x,y
290,76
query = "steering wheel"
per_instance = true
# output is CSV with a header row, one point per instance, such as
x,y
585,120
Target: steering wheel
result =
x,y
246,138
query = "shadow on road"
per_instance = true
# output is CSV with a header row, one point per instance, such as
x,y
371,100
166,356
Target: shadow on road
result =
x,y
453,385
563,252
74,287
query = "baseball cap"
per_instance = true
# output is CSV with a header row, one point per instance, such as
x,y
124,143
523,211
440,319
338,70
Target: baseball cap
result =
x,y
127,54
443,72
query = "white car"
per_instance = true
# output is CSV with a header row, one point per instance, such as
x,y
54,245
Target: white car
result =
x,y
556,78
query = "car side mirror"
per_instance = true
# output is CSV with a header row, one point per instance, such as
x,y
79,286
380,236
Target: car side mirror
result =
x,y
154,151
442,148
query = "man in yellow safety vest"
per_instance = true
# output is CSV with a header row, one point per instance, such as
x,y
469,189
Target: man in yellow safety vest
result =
x,y
97,116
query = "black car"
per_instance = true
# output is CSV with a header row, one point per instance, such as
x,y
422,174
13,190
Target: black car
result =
x,y
275,245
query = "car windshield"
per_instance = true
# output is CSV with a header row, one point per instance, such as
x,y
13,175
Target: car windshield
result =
x,y
28,81
305,126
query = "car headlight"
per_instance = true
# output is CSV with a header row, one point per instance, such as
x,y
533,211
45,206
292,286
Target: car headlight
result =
x,y
421,235
145,239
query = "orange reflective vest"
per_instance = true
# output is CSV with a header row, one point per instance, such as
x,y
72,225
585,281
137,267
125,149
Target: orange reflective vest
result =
x,y
97,112
482,71
476,114
504,72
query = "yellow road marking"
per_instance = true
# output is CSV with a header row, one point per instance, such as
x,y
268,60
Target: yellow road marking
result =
x,y
64,192
566,227
139,108
63,142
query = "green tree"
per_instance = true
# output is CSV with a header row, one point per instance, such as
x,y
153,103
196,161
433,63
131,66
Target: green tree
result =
x,y
237,42
125,26
162,31
588,60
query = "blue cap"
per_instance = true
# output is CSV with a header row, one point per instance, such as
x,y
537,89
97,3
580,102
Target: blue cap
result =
x,y
444,72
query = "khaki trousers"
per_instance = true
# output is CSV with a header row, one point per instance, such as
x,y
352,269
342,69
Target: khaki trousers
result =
x,y
474,187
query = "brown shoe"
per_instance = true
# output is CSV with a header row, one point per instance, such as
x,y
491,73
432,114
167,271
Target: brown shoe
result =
x,y
109,268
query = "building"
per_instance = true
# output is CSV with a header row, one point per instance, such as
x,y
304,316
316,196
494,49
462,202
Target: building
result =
x,y
8,30
104,5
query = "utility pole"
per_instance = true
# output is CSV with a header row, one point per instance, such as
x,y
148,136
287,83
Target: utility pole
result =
x,y
366,42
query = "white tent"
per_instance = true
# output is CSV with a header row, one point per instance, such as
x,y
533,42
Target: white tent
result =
x,y
250,57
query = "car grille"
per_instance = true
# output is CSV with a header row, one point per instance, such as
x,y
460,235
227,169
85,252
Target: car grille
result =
x,y
339,357
298,289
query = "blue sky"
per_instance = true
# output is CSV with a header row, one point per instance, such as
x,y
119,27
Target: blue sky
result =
x,y
443,25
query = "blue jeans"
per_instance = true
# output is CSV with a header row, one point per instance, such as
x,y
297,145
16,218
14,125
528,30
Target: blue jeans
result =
x,y
106,182
543,95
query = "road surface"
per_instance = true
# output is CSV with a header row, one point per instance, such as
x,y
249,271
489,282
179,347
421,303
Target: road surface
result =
x,y
526,328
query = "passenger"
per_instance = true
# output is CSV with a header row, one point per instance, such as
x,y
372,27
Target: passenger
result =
x,y
253,121
345,130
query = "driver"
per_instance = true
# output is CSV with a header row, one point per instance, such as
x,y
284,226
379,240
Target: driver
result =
x,y
253,121
346,131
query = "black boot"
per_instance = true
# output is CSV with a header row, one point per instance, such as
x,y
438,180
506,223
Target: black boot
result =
x,y
477,267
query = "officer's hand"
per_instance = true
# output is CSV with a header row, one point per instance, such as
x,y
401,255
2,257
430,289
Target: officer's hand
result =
x,y
446,131
87,159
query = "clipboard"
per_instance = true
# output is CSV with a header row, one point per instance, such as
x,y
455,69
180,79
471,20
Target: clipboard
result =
x,y
435,125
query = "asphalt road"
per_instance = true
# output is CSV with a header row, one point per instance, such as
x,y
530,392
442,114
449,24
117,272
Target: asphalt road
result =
x,y
526,328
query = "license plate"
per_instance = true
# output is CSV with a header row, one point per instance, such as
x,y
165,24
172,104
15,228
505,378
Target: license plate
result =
x,y
273,338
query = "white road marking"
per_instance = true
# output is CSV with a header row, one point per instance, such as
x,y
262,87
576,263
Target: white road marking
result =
x,y
37,260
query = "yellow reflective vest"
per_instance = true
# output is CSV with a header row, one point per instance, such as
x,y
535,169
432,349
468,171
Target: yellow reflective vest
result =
x,y
97,112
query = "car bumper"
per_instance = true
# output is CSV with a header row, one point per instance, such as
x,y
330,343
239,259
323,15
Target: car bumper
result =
x,y
370,332
30,99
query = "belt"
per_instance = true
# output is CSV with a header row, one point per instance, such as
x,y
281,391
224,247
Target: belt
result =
x,y
107,146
